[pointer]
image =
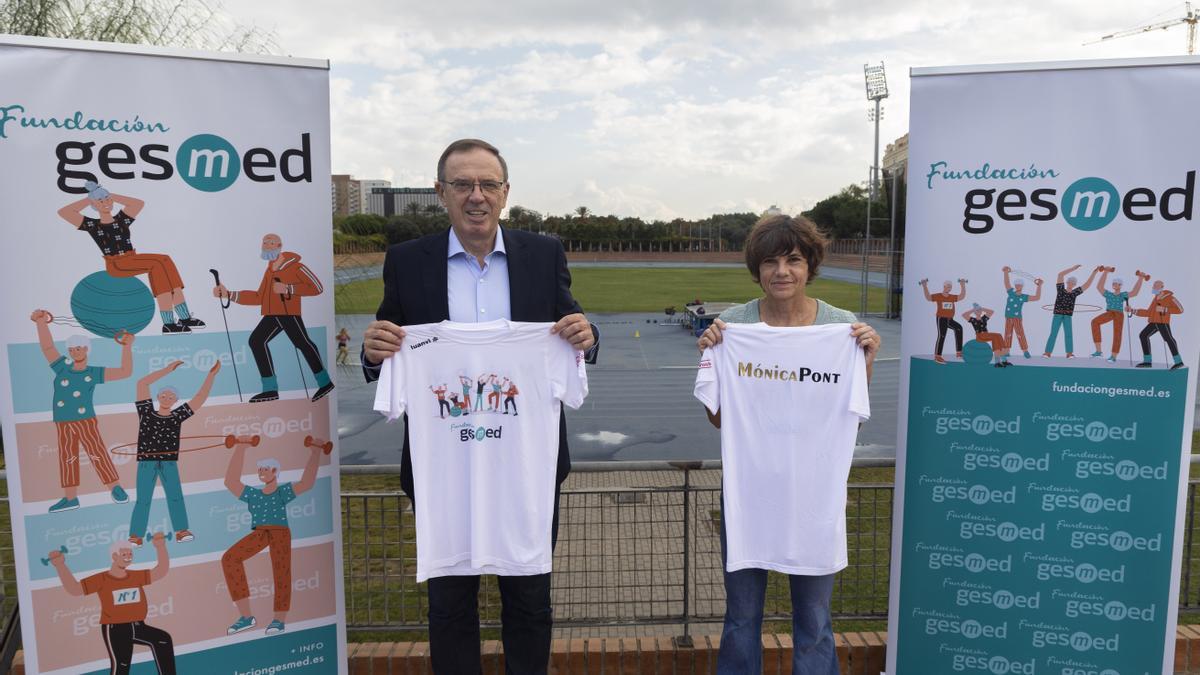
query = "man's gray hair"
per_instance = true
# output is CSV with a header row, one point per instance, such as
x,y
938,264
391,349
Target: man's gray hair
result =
x,y
78,341
269,463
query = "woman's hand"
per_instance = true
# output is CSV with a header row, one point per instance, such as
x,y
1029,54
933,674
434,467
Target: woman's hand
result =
x,y
711,335
868,339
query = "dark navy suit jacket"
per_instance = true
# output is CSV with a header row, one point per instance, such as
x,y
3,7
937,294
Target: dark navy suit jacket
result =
x,y
415,291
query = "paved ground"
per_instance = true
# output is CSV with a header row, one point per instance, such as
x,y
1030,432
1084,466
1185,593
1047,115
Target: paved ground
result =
x,y
640,404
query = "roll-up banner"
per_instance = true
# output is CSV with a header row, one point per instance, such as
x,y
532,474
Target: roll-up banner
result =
x,y
1049,354
168,412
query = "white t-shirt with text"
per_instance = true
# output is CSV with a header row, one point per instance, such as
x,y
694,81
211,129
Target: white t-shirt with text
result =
x,y
483,403
790,401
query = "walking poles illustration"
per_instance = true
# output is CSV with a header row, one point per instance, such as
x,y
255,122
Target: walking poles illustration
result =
x,y
224,305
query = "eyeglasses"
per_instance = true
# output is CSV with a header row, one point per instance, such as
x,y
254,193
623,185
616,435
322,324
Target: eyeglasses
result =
x,y
487,187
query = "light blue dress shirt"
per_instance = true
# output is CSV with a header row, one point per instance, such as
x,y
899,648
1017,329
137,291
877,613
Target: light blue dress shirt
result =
x,y
477,294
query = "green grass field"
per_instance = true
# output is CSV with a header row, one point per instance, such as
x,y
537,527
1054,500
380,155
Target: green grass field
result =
x,y
608,290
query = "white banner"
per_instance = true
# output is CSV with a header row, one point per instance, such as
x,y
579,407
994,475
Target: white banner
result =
x,y
1049,349
133,178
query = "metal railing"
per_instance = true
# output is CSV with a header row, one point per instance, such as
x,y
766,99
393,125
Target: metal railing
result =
x,y
638,546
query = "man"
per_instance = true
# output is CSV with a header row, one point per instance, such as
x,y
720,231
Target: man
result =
x,y
944,312
158,450
268,528
1067,292
1158,316
1114,301
477,272
284,282
1014,307
123,605
73,413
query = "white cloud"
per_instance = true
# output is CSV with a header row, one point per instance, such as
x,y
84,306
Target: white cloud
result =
x,y
676,107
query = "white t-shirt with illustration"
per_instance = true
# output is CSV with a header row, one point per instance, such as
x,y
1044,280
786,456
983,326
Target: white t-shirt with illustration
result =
x,y
790,401
483,403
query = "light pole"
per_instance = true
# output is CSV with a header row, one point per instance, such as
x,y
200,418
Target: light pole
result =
x,y
876,81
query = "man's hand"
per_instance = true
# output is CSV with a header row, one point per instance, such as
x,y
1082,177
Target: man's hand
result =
x,y
174,365
159,540
1006,269
40,316
574,328
381,340
125,339
221,292
711,335
56,557
279,287
216,367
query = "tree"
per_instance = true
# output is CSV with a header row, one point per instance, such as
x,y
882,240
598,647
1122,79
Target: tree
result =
x,y
195,24
582,212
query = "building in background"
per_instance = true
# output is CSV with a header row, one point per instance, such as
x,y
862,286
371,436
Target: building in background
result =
x,y
346,199
364,193
390,201
896,156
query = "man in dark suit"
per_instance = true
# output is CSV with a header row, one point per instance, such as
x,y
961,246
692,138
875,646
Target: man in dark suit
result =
x,y
477,272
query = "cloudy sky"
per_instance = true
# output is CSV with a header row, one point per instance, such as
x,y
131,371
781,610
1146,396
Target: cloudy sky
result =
x,y
661,108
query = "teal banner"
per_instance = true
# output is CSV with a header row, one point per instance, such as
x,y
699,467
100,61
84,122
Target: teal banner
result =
x,y
1039,511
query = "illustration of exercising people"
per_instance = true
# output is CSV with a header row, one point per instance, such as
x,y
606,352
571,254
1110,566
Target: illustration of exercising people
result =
x,y
480,383
978,317
466,393
1064,308
1014,322
158,449
1158,314
1115,302
268,529
494,395
123,606
73,413
510,396
285,281
944,302
443,405
111,234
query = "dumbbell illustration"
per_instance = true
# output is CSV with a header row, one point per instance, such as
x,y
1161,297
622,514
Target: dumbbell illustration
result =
x,y
314,442
232,440
61,549
167,536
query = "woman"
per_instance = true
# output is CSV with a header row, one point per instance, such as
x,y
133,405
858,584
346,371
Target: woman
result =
x,y
783,255
111,233
978,317
343,347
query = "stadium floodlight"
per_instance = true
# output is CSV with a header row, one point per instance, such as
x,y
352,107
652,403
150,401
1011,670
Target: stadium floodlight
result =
x,y
876,81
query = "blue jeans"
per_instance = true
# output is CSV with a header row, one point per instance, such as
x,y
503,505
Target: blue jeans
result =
x,y
812,625
1063,321
149,473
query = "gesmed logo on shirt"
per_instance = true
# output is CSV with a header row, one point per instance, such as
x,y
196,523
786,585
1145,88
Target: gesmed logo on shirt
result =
x,y
468,432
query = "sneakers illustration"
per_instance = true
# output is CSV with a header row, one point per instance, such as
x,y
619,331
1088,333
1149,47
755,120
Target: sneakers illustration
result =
x,y
119,495
276,626
175,328
1028,355
184,535
265,396
135,540
191,322
322,392
1095,354
64,504
1177,366
243,623
939,359
1111,359
1144,364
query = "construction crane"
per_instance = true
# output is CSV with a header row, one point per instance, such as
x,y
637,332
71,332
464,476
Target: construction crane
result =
x,y
1191,18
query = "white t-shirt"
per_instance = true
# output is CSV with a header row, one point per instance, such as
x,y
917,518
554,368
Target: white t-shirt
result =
x,y
483,466
790,401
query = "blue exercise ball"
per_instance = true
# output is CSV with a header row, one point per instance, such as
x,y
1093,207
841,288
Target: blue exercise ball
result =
x,y
106,305
977,353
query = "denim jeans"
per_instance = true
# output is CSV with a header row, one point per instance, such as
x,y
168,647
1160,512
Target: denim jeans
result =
x,y
812,626
1060,321
150,472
